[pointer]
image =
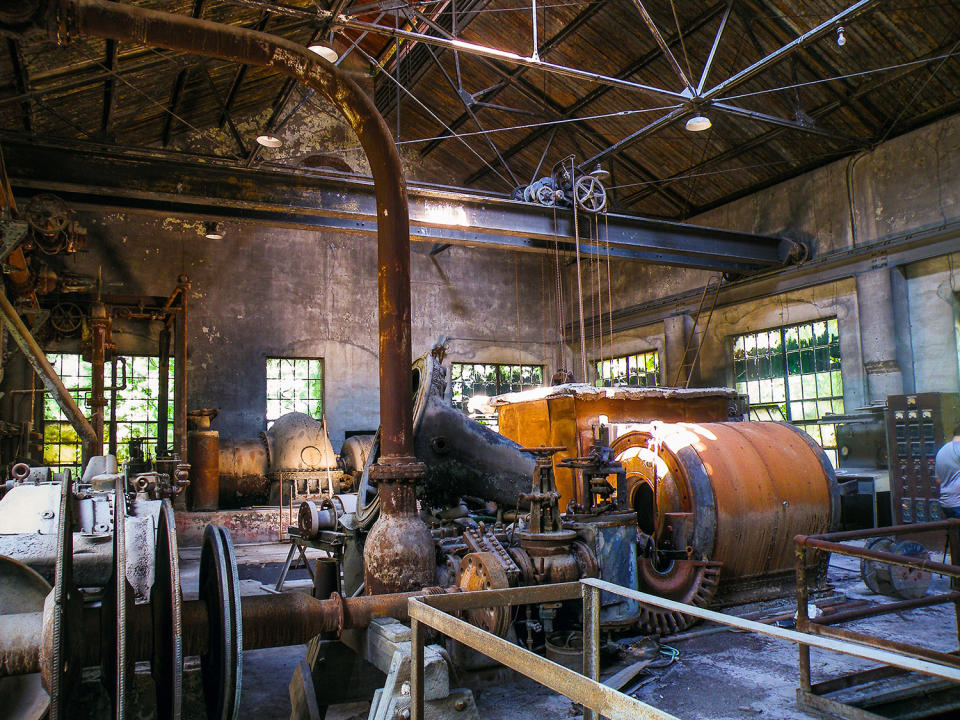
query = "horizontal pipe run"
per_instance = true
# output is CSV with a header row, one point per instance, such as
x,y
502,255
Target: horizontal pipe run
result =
x,y
854,649
881,532
608,703
842,616
952,571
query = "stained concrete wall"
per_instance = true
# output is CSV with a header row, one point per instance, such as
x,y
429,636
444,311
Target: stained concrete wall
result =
x,y
909,183
278,292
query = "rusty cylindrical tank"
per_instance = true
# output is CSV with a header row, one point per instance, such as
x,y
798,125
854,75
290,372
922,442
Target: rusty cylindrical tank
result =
x,y
743,490
203,452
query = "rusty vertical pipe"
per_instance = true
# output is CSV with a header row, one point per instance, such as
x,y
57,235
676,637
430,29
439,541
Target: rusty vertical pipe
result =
x,y
99,328
38,359
163,406
103,19
180,371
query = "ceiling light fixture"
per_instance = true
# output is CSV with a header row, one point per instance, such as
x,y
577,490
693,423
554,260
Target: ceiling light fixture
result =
x,y
213,230
698,123
324,51
269,141
841,38
599,172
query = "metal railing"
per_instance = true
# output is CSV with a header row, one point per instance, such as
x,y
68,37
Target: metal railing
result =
x,y
434,611
810,696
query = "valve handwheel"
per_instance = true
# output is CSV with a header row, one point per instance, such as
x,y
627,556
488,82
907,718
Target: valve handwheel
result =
x,y
590,194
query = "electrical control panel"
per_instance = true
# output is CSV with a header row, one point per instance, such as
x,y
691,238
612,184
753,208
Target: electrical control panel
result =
x,y
918,426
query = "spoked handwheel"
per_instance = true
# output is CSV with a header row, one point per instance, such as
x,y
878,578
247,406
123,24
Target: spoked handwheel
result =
x,y
590,194
222,666
166,607
115,610
61,618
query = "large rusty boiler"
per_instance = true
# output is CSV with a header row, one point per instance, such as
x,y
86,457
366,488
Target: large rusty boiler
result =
x,y
732,496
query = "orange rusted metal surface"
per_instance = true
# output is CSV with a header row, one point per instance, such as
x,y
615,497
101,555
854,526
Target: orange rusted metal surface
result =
x,y
751,487
565,415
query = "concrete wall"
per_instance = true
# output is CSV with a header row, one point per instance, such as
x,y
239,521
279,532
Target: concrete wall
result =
x,y
909,183
277,292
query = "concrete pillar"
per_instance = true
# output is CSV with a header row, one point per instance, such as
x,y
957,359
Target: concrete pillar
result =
x,y
676,330
904,333
878,336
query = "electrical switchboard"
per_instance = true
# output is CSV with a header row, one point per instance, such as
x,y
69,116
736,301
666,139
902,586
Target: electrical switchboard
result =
x,y
917,426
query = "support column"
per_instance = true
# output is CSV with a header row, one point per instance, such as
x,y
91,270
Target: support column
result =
x,y
676,330
878,337
904,333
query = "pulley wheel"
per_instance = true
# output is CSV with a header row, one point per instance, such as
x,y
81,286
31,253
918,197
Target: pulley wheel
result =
x,y
22,590
61,613
875,575
114,665
910,583
483,571
222,666
166,606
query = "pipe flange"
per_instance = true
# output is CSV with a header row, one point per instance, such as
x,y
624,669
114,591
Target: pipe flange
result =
x,y
341,611
402,469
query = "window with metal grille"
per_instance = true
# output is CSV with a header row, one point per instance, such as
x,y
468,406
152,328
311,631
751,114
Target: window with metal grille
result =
x,y
638,370
131,412
473,380
793,371
294,385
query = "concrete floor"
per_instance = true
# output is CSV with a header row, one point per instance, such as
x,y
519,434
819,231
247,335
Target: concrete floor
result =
x,y
720,676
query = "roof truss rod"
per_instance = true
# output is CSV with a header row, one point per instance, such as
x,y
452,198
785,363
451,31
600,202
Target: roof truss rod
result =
x,y
468,48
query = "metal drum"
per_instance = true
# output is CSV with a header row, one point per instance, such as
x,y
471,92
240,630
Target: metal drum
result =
x,y
744,490
203,452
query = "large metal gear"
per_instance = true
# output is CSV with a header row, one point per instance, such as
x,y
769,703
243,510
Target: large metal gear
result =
x,y
483,571
685,581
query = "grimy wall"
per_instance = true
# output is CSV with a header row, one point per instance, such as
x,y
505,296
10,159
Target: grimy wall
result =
x,y
265,291
898,324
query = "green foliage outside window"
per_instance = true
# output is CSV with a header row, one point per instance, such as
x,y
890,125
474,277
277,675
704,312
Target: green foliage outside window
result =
x,y
470,380
294,385
135,407
639,370
794,370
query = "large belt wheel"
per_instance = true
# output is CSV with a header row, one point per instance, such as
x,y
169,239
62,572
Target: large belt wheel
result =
x,y
115,609
22,590
483,571
222,666
61,618
166,607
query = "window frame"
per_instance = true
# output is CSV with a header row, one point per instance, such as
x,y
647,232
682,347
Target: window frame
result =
x,y
600,381
317,412
834,372
114,396
498,378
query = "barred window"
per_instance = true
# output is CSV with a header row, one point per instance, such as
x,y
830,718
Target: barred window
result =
x,y
794,370
470,380
294,385
638,370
